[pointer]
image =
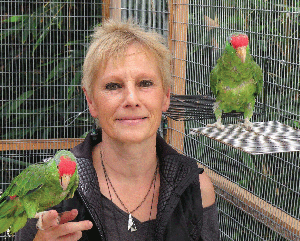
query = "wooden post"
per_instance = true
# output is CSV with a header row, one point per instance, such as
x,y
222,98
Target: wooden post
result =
x,y
178,29
39,144
106,5
115,9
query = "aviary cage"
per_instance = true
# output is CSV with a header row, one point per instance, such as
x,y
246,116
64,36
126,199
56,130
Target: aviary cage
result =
x,y
43,109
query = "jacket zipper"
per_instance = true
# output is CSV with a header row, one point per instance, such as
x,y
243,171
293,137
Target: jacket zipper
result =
x,y
89,210
174,198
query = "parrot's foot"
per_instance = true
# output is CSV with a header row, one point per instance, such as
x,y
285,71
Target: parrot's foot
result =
x,y
217,124
39,224
247,124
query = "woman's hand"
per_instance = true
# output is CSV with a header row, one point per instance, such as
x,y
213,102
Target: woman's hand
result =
x,y
64,230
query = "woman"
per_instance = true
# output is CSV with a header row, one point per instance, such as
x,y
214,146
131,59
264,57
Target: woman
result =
x,y
133,186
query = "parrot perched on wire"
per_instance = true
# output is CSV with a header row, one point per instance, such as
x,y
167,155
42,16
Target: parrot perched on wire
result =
x,y
236,80
37,188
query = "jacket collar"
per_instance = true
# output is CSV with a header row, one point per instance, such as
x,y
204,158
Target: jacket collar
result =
x,y
176,172
173,166
84,150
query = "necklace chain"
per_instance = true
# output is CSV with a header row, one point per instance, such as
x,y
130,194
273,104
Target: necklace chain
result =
x,y
108,179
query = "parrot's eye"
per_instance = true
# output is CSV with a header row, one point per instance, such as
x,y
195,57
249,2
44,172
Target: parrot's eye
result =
x,y
229,39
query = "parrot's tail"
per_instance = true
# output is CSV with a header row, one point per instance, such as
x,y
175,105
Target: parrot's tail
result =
x,y
12,216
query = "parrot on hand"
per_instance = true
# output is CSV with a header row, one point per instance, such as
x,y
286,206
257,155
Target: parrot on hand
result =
x,y
236,80
37,188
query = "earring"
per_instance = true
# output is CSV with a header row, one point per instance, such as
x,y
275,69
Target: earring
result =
x,y
94,132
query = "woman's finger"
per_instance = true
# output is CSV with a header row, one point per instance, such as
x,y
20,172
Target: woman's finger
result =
x,y
64,232
68,216
73,227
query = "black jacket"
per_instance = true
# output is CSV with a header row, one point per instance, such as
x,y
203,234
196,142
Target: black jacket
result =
x,y
179,211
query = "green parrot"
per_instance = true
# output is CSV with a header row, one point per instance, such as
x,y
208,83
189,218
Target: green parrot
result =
x,y
236,80
37,188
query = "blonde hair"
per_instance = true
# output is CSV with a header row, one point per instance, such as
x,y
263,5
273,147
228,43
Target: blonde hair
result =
x,y
112,39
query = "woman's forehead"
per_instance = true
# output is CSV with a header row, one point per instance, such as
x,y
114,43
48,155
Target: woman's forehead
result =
x,y
133,52
131,49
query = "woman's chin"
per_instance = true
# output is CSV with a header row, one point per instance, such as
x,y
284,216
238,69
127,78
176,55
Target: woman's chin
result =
x,y
132,135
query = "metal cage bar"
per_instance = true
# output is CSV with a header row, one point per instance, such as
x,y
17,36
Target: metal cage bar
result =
x,y
42,48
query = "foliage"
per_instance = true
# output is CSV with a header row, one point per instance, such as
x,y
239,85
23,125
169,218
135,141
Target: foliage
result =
x,y
45,43
273,29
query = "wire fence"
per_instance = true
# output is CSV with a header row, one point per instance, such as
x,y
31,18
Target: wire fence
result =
x,y
273,30
42,49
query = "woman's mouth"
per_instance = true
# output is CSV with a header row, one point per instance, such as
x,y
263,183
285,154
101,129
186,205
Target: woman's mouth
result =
x,y
131,120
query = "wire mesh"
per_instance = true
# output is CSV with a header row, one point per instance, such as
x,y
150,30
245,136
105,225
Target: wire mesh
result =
x,y
273,30
149,14
42,48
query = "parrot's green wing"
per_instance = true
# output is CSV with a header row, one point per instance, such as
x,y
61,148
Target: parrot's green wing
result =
x,y
29,180
214,79
12,213
257,76
221,72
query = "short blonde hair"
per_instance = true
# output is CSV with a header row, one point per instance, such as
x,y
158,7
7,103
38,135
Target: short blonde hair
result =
x,y
112,39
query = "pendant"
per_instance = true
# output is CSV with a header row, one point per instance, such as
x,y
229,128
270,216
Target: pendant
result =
x,y
131,224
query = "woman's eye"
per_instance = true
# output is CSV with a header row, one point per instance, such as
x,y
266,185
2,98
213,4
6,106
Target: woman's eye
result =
x,y
112,86
146,83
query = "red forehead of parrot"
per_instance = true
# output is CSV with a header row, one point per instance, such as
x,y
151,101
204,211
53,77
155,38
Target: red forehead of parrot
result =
x,y
66,166
240,40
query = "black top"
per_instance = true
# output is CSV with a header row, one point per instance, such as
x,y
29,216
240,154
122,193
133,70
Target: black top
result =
x,y
145,231
180,215
116,221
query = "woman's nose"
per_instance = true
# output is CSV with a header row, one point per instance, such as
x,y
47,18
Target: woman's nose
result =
x,y
131,97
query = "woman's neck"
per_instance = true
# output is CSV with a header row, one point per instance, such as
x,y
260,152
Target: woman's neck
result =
x,y
130,161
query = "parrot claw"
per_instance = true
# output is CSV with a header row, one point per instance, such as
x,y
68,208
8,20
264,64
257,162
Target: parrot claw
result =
x,y
247,124
39,224
217,124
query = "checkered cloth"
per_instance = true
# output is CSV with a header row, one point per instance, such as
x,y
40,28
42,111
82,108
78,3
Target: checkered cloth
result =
x,y
264,138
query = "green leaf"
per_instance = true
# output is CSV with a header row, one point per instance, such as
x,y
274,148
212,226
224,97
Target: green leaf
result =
x,y
10,107
14,29
41,37
60,69
73,87
14,19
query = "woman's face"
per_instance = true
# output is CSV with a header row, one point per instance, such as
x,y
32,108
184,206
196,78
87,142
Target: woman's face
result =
x,y
128,96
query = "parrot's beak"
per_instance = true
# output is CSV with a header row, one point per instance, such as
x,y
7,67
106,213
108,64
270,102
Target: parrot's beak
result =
x,y
241,53
64,181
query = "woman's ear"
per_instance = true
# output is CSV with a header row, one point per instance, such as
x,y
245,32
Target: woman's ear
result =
x,y
90,103
166,101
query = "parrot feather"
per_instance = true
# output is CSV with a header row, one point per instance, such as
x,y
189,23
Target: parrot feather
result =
x,y
6,222
22,219
236,80
36,189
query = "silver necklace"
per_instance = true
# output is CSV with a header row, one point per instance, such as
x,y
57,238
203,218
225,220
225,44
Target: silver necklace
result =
x,y
131,224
